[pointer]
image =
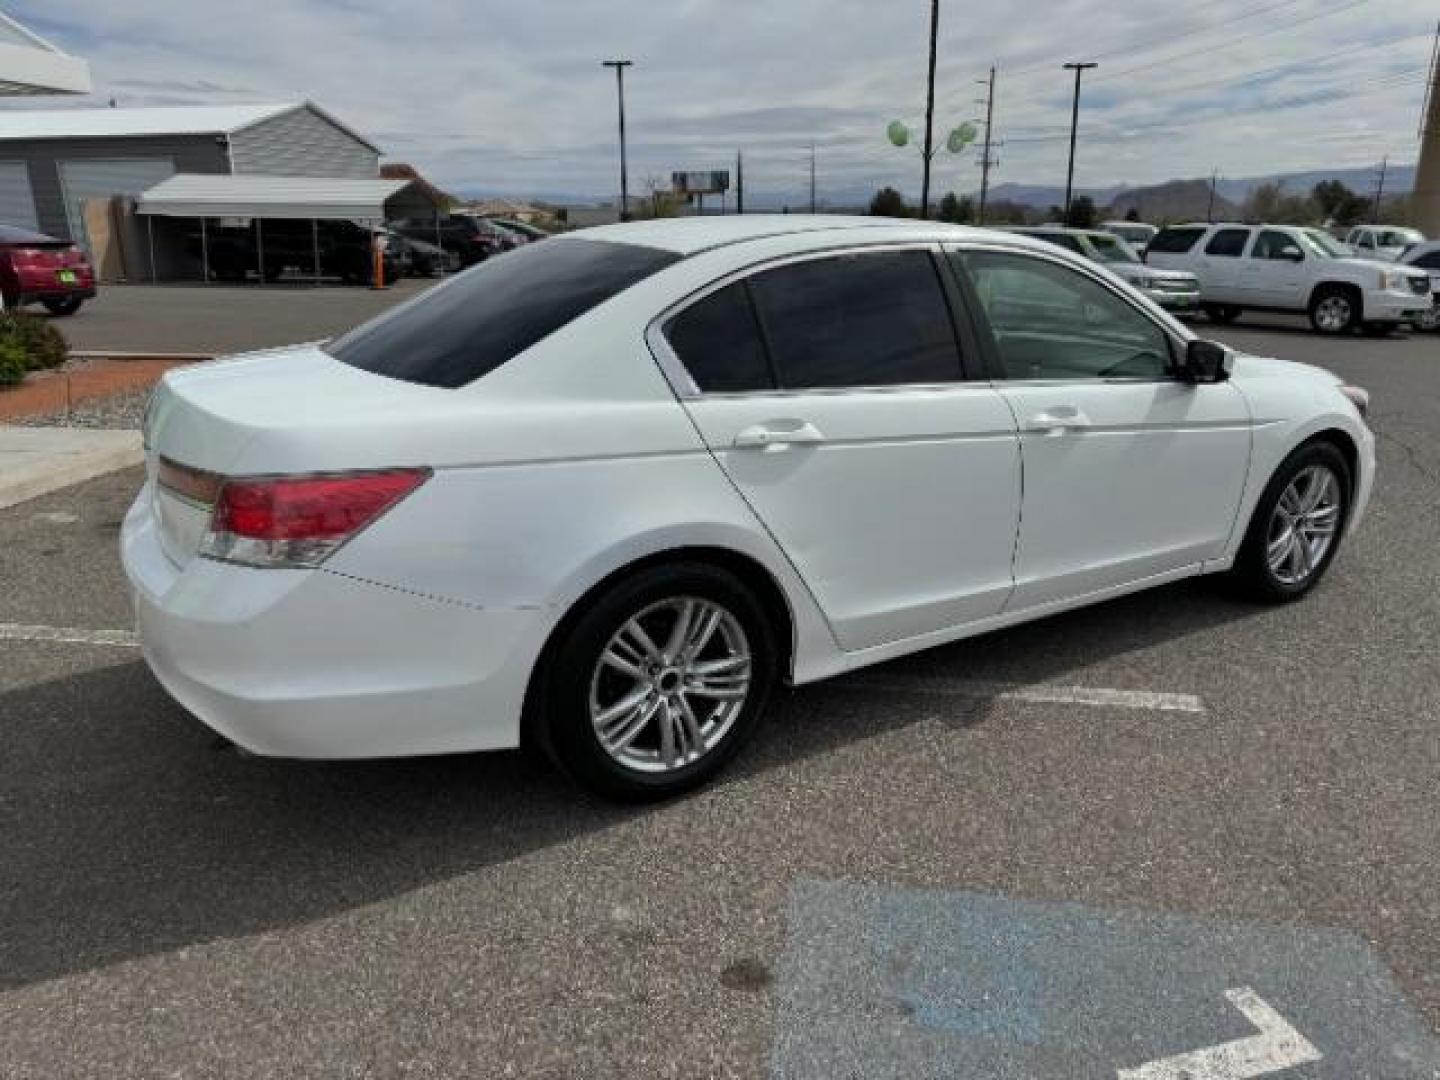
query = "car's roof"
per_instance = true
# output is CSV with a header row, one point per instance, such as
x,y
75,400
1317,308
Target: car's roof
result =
x,y
689,235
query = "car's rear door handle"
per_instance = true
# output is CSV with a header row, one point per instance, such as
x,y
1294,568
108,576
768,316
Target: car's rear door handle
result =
x,y
779,433
1057,420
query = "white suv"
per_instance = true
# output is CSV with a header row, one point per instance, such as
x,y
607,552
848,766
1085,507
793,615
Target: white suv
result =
x,y
1383,242
1289,268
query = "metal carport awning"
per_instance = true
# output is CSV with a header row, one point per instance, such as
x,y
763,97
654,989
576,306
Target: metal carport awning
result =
x,y
198,195
258,198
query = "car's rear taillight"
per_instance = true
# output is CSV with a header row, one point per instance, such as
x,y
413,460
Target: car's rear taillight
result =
x,y
300,521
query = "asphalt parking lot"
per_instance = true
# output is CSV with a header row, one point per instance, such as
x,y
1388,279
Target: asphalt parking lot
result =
x,y
1073,849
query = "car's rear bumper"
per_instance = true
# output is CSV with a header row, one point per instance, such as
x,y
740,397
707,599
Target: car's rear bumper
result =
x,y
56,292
315,664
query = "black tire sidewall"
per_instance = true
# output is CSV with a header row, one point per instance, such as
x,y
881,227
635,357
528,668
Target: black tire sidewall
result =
x,y
569,736
1251,566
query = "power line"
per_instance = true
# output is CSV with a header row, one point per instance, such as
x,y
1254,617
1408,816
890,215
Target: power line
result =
x,y
1183,58
1166,39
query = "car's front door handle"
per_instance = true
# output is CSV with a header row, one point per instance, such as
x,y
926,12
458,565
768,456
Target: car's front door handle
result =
x,y
779,433
1057,420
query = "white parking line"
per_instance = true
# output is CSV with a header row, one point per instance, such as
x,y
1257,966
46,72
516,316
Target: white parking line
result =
x,y
124,639
1036,693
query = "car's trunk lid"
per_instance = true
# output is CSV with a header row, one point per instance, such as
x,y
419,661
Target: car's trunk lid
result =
x,y
232,418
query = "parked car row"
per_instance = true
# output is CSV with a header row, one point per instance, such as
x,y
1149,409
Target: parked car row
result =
x,y
1174,290
1290,268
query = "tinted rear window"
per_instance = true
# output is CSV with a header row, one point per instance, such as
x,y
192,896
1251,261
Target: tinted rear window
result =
x,y
719,343
1228,242
466,328
1175,241
877,319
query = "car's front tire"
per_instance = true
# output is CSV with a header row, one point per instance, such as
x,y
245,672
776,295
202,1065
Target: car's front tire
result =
x,y
1334,309
658,682
1297,525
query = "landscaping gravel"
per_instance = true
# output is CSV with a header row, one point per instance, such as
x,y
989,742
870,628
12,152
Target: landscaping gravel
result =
x,y
125,410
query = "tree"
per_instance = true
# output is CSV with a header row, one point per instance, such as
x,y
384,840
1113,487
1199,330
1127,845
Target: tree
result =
x,y
959,210
1133,214
1269,203
889,203
1082,213
1338,203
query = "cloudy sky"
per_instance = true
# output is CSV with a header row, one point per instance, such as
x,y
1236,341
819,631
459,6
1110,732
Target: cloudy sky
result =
x,y
509,96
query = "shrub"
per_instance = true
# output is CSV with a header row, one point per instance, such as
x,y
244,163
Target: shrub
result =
x,y
12,362
41,345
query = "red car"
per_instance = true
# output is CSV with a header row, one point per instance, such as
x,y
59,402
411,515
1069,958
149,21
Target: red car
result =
x,y
35,268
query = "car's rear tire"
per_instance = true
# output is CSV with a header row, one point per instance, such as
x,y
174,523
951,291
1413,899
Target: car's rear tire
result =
x,y
1222,313
1297,525
61,308
1334,309
650,714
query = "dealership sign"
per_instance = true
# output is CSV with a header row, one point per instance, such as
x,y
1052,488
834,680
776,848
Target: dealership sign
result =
x,y
700,183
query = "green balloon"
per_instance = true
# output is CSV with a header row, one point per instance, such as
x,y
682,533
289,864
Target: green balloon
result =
x,y
961,137
897,133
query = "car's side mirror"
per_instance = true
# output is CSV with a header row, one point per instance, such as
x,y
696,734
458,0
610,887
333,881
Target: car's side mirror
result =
x,y
1293,254
1205,362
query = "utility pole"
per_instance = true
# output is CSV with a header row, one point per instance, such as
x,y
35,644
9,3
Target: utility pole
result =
x,y
739,182
1079,69
812,178
985,159
1425,200
620,66
929,110
1379,191
1210,209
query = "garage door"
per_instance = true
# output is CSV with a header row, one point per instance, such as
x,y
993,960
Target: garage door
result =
x,y
100,178
17,201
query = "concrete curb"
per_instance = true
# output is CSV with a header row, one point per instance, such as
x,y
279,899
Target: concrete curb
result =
x,y
37,461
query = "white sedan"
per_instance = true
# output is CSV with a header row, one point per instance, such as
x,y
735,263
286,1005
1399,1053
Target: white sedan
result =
x,y
599,496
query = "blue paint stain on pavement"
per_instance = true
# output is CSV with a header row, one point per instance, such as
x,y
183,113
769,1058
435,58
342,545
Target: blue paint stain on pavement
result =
x,y
881,983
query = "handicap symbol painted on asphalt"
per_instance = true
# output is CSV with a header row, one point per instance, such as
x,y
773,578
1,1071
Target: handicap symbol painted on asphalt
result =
x,y
899,983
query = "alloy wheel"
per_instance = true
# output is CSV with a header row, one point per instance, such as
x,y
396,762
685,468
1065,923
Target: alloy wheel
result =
x,y
1303,525
670,684
1333,314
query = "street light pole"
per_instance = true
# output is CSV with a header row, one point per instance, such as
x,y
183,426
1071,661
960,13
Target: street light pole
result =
x,y
929,109
620,66
812,178
1079,69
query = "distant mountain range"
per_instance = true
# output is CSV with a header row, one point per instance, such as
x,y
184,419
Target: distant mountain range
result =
x,y
1169,200
1398,180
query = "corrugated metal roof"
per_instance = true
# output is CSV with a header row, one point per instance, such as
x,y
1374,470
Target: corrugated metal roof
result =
x,y
221,195
31,65
172,120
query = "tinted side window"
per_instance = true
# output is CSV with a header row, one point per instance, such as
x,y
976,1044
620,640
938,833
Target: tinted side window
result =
x,y
1176,240
1228,242
1052,322
1430,260
876,319
1064,240
1269,244
457,332
719,343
